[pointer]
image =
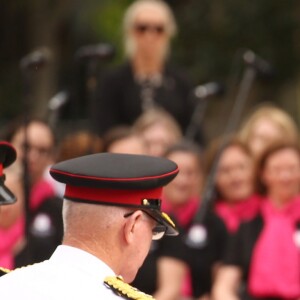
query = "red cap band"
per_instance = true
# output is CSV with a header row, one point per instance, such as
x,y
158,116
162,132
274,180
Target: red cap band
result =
x,y
126,197
1,169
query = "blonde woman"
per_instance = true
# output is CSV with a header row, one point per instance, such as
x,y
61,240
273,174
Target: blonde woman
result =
x,y
159,130
146,79
267,124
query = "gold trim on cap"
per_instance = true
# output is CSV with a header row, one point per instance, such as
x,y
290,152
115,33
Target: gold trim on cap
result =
x,y
146,202
165,216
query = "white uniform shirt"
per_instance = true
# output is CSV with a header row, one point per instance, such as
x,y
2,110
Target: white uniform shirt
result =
x,y
70,273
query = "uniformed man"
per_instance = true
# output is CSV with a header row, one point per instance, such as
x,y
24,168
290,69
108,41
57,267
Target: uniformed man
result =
x,y
7,157
111,213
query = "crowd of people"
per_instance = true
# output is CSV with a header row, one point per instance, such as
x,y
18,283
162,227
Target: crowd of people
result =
x,y
253,214
250,226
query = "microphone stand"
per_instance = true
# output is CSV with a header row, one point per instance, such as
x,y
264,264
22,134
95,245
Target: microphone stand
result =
x,y
196,236
91,57
91,78
196,118
200,97
26,78
29,65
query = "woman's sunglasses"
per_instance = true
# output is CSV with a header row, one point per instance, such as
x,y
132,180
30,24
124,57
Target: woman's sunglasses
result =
x,y
143,28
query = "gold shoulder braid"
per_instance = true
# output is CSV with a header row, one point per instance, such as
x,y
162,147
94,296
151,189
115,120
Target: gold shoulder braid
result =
x,y
117,284
3,271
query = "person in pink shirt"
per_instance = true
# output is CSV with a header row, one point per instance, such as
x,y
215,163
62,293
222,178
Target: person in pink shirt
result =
x,y
38,209
8,155
263,260
182,201
235,199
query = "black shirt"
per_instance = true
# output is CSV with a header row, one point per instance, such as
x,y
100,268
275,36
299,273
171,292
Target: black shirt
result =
x,y
240,245
168,246
119,101
44,234
200,261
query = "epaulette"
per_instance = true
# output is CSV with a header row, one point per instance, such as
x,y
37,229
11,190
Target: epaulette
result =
x,y
3,271
123,289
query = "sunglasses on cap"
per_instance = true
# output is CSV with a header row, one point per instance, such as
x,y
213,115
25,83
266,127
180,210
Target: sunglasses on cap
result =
x,y
158,231
143,28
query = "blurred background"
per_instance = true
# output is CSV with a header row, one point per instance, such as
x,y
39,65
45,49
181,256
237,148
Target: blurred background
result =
x,y
212,35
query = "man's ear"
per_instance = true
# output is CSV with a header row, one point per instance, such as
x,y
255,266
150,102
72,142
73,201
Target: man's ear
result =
x,y
131,225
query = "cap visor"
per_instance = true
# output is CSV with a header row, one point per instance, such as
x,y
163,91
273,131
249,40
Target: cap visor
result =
x,y
6,196
164,219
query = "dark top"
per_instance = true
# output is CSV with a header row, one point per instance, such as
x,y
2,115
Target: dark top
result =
x,y
200,260
118,101
44,234
168,246
240,249
241,244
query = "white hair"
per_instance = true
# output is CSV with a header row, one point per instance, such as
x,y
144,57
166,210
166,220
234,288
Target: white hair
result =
x,y
86,218
130,16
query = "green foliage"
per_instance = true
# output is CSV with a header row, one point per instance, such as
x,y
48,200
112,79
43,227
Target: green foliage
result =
x,y
102,20
212,31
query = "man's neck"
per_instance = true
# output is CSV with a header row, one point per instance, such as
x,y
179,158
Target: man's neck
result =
x,y
105,251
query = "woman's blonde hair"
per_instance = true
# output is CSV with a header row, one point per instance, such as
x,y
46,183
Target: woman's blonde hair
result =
x,y
276,115
158,116
130,16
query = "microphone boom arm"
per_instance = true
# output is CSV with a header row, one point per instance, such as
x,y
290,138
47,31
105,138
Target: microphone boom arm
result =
x,y
208,193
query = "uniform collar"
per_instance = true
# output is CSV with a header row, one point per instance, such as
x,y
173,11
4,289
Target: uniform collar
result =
x,y
81,260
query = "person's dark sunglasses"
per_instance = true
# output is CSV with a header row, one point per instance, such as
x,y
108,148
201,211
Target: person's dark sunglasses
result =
x,y
143,28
